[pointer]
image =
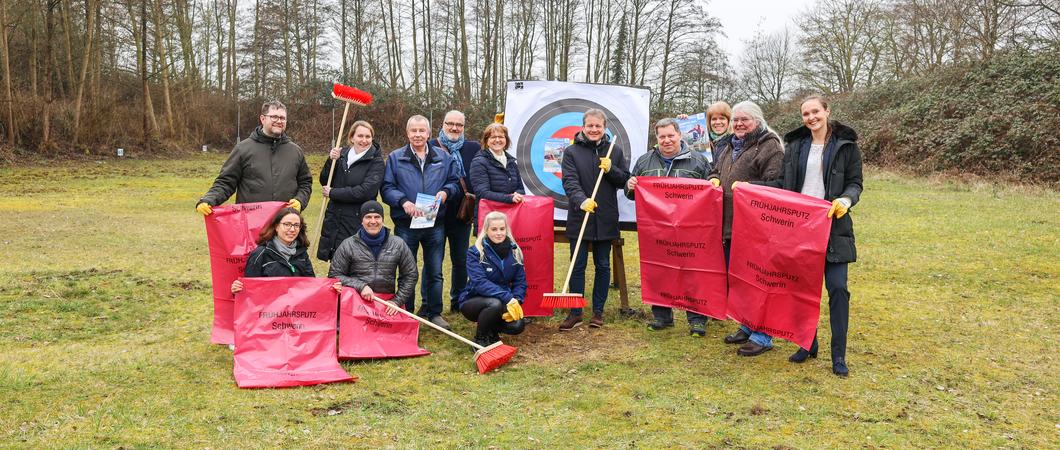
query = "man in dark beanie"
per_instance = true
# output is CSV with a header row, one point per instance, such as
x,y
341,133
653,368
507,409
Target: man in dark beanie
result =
x,y
370,260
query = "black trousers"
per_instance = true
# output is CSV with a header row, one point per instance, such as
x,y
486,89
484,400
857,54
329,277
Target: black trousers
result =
x,y
835,281
487,312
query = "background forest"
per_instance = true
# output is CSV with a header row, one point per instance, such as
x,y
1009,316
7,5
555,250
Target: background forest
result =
x,y
972,81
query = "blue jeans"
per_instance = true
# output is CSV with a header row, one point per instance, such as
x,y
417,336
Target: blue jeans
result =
x,y
457,234
433,241
602,278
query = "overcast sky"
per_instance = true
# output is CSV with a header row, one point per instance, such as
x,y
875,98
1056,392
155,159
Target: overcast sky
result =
x,y
740,19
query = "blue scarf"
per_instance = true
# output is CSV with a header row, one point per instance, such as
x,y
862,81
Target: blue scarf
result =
x,y
454,149
737,146
374,243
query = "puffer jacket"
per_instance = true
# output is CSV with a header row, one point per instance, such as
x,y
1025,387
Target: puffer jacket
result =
x,y
354,265
266,261
493,277
262,169
759,160
403,179
581,164
842,178
350,187
492,181
687,164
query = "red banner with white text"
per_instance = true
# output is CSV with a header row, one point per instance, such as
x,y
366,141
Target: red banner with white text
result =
x,y
285,332
367,331
776,261
682,262
232,232
531,223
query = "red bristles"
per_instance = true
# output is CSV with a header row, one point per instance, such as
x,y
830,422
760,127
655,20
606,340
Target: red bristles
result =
x,y
351,94
562,301
493,356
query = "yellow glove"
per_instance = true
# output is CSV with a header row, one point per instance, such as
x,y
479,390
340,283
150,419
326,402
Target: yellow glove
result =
x,y
716,182
515,311
734,183
294,203
589,205
838,209
204,208
605,164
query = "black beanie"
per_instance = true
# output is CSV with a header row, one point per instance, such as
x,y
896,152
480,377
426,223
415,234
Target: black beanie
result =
x,y
371,206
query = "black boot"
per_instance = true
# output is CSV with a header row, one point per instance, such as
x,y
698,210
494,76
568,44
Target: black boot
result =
x,y
839,366
481,339
801,355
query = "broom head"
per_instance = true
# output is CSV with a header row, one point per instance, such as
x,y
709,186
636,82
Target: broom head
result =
x,y
563,301
351,94
493,356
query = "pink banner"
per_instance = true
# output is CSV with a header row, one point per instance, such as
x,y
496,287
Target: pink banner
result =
x,y
776,261
232,232
366,331
285,333
682,262
531,223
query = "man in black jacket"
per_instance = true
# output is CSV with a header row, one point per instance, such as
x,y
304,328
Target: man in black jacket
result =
x,y
265,167
370,260
582,162
457,234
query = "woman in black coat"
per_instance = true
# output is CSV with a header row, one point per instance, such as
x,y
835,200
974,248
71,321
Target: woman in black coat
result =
x,y
283,250
495,173
358,176
822,159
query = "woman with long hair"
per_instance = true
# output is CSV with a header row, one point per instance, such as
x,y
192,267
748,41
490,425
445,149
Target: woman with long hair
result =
x,y
496,284
822,159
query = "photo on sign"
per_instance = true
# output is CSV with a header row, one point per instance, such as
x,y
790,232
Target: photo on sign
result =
x,y
694,132
554,155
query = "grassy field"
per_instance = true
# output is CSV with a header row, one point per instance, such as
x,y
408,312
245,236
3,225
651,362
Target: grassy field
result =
x,y
105,315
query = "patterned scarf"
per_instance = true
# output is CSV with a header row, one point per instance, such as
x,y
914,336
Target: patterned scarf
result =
x,y
454,149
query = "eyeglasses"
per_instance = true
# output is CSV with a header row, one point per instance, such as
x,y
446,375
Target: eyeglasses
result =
x,y
291,226
454,124
496,136
276,118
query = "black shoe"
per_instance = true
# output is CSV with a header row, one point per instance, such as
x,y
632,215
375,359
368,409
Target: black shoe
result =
x,y
839,367
494,338
481,340
739,337
697,330
801,355
657,325
752,349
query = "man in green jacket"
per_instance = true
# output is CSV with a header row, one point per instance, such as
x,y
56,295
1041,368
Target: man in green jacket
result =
x,y
265,167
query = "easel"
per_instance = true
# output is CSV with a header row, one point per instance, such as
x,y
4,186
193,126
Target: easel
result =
x,y
618,269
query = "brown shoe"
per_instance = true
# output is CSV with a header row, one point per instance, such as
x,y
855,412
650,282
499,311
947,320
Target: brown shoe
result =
x,y
597,321
571,322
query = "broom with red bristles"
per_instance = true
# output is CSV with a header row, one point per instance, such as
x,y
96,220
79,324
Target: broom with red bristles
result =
x,y
348,95
486,358
565,299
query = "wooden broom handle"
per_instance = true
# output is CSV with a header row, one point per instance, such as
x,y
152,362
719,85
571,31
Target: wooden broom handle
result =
x,y
585,222
331,173
428,323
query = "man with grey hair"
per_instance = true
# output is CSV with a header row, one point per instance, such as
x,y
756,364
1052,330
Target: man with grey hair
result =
x,y
419,168
265,167
451,138
670,157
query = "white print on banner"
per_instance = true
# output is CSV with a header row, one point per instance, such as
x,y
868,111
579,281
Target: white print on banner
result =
x,y
543,118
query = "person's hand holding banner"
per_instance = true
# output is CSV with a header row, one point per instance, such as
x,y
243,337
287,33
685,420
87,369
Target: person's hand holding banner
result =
x,y
294,203
204,208
839,208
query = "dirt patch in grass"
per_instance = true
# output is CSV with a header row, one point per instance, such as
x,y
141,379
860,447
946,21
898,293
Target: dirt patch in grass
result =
x,y
542,343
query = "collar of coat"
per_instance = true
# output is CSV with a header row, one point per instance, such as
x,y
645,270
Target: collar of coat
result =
x,y
580,139
431,155
493,159
373,152
259,135
684,153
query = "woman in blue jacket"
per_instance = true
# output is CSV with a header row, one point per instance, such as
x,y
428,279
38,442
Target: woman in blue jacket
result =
x,y
496,284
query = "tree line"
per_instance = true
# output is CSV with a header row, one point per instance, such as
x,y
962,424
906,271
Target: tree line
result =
x,y
89,74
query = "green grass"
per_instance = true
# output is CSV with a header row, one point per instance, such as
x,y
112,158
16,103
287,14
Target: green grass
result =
x,y
105,314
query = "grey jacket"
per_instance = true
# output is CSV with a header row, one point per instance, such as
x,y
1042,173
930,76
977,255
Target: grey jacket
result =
x,y
262,169
687,164
354,265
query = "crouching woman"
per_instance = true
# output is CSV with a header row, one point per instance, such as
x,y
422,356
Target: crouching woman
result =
x,y
496,284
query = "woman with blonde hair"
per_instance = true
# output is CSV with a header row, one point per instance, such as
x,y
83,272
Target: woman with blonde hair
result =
x,y
496,284
358,176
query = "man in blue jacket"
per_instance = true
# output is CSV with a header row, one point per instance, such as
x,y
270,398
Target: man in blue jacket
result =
x,y
418,168
451,138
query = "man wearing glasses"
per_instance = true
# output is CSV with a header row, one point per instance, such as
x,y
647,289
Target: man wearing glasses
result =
x,y
267,166
451,139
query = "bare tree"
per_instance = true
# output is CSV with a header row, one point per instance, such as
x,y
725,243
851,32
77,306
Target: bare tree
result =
x,y
768,66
